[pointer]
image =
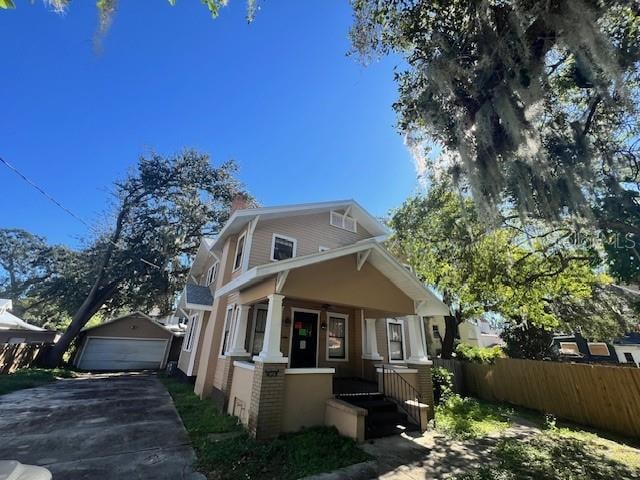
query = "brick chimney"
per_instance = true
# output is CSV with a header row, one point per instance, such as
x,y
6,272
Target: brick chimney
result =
x,y
240,202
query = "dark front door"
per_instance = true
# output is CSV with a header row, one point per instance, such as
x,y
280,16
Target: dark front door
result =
x,y
304,340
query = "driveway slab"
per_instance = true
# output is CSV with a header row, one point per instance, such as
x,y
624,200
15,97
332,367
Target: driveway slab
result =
x,y
110,426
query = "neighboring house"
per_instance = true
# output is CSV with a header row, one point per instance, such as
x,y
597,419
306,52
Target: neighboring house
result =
x,y
130,342
627,348
14,330
292,305
477,332
576,348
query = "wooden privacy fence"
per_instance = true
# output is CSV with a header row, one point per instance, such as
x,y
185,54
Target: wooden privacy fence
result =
x,y
18,355
604,397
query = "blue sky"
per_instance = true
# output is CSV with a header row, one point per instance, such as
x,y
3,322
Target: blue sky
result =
x,y
304,121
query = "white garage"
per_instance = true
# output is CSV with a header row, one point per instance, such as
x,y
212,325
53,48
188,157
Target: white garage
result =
x,y
132,342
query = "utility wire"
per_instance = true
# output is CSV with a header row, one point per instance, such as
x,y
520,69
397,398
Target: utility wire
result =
x,y
58,204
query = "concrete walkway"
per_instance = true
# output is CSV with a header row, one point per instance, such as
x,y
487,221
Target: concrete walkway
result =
x,y
433,456
108,427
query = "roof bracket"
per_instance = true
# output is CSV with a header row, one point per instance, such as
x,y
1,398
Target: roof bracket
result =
x,y
280,280
362,258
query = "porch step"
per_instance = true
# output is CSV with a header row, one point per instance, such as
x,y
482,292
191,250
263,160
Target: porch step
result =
x,y
383,416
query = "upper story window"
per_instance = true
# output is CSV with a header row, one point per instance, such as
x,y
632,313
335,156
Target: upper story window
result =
x,y
343,221
212,273
237,262
283,247
191,334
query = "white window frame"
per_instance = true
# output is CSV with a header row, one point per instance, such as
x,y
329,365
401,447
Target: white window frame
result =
x,y
283,237
212,273
404,340
341,224
242,237
322,248
193,325
260,306
346,336
227,318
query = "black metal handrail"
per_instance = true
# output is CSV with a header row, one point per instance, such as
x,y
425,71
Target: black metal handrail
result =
x,y
401,392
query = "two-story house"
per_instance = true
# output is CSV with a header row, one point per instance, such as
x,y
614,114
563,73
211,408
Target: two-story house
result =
x,y
294,309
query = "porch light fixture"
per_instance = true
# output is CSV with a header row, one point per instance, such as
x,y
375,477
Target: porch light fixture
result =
x,y
323,325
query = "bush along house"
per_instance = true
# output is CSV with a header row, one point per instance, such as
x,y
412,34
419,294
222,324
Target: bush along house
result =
x,y
298,316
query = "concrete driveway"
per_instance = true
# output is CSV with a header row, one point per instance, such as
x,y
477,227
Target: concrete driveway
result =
x,y
113,426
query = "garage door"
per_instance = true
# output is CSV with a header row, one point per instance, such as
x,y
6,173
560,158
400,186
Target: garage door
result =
x,y
122,354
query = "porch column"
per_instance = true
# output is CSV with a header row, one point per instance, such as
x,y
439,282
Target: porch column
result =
x,y
371,344
240,333
416,341
272,331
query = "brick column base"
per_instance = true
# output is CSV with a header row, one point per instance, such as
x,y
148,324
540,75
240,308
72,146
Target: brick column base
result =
x,y
267,400
425,385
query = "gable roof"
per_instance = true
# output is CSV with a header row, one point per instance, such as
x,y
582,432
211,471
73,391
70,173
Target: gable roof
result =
x,y
8,321
136,314
428,303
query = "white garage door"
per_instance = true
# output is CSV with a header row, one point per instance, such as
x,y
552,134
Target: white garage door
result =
x,y
122,354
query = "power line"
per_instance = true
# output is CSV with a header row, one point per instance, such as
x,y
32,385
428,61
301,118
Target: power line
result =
x,y
58,204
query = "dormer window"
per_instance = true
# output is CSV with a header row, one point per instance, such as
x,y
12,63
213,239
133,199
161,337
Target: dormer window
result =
x,y
283,247
342,221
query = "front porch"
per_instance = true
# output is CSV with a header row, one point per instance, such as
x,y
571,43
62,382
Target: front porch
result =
x,y
285,358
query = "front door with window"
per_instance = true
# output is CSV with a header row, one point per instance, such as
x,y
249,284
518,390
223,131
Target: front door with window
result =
x,y
304,340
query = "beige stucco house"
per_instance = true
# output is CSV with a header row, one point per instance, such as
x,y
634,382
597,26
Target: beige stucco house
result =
x,y
298,316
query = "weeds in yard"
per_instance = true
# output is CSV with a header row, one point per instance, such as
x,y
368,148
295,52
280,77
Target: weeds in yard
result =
x,y
290,456
547,456
31,377
464,418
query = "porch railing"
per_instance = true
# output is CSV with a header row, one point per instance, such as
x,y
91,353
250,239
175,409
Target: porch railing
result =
x,y
402,393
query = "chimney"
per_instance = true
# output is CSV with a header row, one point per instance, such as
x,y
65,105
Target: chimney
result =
x,y
240,201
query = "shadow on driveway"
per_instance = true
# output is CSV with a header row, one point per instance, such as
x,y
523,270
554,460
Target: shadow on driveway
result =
x,y
106,426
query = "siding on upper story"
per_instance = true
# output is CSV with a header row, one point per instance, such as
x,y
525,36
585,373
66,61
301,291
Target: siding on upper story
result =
x,y
310,232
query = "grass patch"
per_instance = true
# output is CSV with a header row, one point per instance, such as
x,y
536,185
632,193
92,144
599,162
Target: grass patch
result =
x,y
548,456
465,418
289,456
31,377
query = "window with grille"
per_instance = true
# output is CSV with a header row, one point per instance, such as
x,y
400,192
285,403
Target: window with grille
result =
x,y
258,330
191,333
282,247
211,273
340,220
239,250
337,337
227,330
396,340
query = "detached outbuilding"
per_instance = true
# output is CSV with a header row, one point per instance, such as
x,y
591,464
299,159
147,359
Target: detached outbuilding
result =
x,y
131,342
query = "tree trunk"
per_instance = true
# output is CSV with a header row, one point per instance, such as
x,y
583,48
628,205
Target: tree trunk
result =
x,y
96,298
52,357
449,336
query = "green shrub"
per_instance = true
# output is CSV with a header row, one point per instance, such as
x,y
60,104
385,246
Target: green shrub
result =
x,y
471,353
442,384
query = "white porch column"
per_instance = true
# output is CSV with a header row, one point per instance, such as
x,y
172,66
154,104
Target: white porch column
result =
x,y
416,340
271,346
240,333
371,344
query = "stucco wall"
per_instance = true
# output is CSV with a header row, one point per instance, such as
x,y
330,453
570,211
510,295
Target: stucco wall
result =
x,y
305,398
310,231
240,395
338,282
347,418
